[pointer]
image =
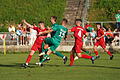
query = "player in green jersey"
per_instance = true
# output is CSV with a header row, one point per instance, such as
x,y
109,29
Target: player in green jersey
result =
x,y
58,32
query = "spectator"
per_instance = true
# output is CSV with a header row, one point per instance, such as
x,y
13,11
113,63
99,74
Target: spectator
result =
x,y
11,29
109,36
117,16
33,36
116,40
23,29
93,35
19,35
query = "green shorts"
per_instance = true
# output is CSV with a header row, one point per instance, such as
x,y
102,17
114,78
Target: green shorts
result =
x,y
52,43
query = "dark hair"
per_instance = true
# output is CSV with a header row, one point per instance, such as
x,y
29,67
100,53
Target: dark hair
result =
x,y
79,20
41,22
66,21
98,24
54,17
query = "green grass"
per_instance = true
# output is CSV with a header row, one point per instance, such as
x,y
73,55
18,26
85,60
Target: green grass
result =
x,y
13,11
103,10
103,69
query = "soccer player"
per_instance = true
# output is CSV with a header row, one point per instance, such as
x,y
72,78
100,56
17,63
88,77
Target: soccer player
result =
x,y
59,32
38,42
101,41
78,34
55,25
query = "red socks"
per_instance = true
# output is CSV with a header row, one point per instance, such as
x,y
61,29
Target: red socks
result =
x,y
71,59
86,56
29,58
109,53
96,52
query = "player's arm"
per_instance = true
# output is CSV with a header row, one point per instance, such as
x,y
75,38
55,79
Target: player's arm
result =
x,y
86,34
45,32
100,37
72,30
24,21
66,35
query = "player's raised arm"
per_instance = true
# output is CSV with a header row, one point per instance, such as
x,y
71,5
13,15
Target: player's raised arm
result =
x,y
45,32
24,21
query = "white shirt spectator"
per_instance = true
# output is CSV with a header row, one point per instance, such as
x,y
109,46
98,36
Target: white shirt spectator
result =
x,y
11,28
33,36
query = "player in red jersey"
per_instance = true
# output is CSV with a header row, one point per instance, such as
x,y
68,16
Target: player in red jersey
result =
x,y
101,41
38,42
78,34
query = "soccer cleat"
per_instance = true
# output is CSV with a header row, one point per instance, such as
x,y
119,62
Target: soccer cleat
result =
x,y
76,57
47,59
111,57
39,64
41,54
92,59
97,57
65,60
24,65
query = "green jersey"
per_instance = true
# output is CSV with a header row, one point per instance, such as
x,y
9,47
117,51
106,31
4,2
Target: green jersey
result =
x,y
60,32
117,16
53,33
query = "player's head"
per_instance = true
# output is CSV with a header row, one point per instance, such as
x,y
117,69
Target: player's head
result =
x,y
41,24
78,22
64,22
119,11
98,25
53,19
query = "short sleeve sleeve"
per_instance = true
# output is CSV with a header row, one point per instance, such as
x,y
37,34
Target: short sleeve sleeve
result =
x,y
54,28
73,29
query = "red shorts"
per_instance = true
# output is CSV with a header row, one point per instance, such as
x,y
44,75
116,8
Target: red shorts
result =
x,y
78,45
38,44
100,43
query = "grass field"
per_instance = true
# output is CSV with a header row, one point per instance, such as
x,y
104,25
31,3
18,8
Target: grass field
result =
x,y
103,69
13,11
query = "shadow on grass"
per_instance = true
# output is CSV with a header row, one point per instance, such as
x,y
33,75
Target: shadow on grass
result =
x,y
16,65
19,65
98,66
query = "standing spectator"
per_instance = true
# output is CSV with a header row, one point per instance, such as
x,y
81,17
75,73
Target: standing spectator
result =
x,y
109,36
117,16
33,36
11,29
19,34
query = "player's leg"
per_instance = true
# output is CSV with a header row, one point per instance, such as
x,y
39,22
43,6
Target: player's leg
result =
x,y
52,48
62,56
109,53
95,49
28,58
78,51
72,56
85,50
45,57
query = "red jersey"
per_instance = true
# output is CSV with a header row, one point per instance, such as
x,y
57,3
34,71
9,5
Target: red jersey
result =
x,y
38,42
100,32
37,29
78,32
